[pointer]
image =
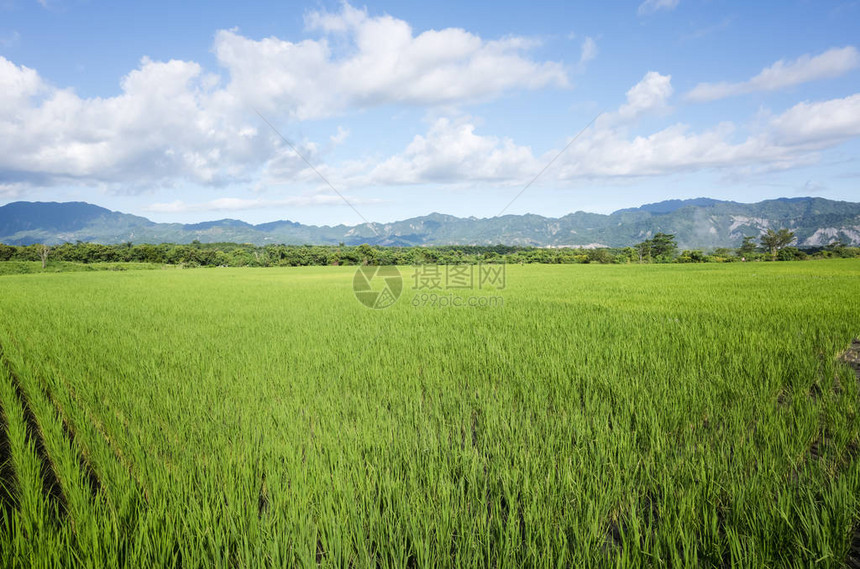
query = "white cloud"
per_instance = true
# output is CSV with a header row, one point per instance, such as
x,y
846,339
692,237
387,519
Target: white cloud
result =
x,y
832,63
170,122
11,191
341,135
651,6
453,152
237,204
589,51
383,62
788,140
819,124
649,96
175,122
668,151
17,84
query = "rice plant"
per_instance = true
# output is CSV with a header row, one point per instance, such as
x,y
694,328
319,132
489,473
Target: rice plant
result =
x,y
602,416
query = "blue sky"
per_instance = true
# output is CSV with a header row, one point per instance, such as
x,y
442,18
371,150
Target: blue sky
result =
x,y
412,107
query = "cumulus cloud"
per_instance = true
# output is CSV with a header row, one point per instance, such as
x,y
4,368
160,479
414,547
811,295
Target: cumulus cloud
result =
x,y
170,122
384,63
651,6
819,124
786,140
175,122
453,152
832,63
668,151
17,84
649,96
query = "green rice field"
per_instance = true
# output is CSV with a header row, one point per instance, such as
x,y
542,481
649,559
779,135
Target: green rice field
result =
x,y
597,416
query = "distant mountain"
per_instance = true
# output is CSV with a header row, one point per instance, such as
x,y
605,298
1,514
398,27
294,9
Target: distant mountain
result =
x,y
669,206
236,223
698,223
59,217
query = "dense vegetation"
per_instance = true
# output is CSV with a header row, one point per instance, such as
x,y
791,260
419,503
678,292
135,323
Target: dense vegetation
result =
x,y
604,415
659,249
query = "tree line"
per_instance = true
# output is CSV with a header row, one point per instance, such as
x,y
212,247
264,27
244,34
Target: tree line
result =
x,y
660,248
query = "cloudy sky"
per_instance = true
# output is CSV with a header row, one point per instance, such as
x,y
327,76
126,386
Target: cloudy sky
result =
x,y
261,111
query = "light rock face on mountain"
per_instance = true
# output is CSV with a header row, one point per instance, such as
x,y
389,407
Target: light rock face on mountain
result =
x,y
700,223
826,235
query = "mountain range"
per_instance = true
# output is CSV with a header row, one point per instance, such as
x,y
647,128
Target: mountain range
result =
x,y
697,223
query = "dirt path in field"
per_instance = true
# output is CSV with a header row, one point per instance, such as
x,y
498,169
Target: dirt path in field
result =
x,y
851,356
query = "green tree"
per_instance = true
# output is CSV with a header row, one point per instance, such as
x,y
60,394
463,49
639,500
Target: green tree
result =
x,y
661,247
6,252
836,248
748,246
367,254
696,256
626,255
773,241
723,253
791,254
599,255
